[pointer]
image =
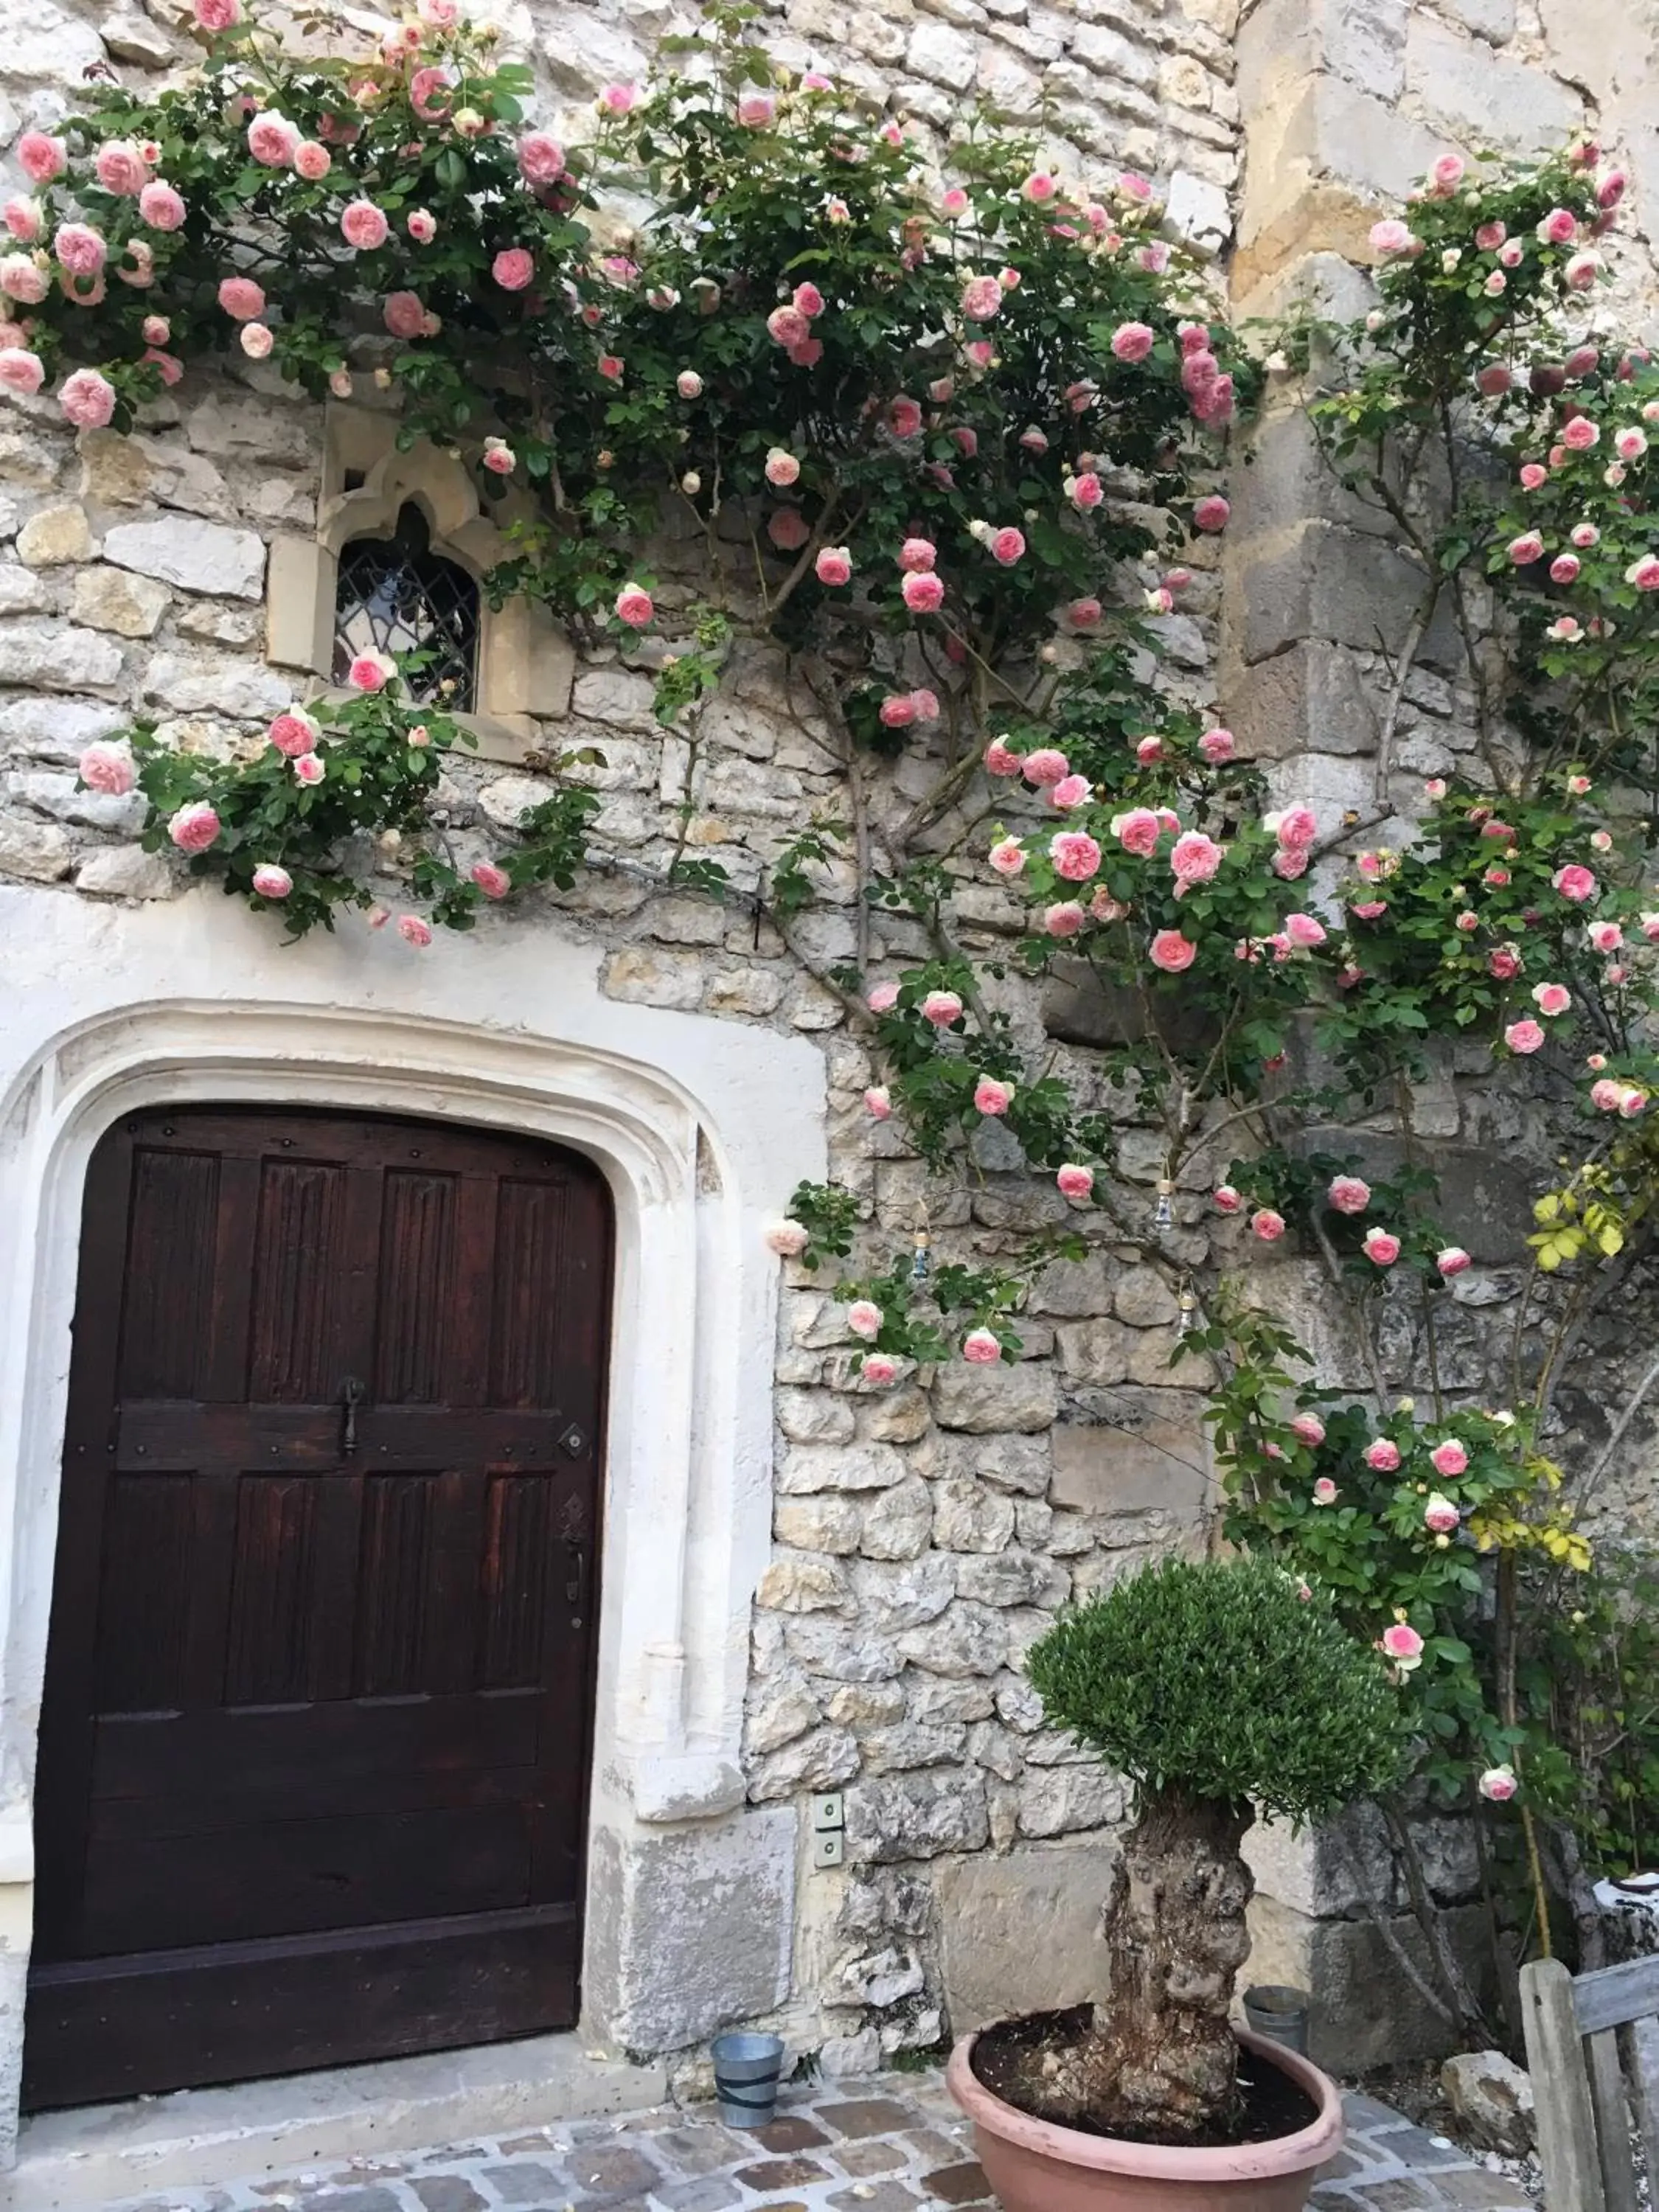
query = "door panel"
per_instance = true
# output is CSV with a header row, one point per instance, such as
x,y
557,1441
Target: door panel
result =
x,y
316,1735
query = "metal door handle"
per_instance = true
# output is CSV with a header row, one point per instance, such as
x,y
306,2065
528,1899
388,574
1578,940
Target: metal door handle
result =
x,y
573,1586
351,1396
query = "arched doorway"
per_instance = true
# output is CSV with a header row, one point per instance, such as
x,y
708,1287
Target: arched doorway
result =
x,y
315,1740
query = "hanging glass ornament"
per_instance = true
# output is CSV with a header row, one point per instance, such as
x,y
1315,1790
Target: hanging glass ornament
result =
x,y
1163,1211
1187,1310
921,1266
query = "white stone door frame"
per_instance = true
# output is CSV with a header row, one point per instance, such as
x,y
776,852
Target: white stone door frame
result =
x,y
702,1128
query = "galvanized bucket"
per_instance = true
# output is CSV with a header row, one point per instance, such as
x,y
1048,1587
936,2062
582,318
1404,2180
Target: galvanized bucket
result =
x,y
1279,2013
747,2070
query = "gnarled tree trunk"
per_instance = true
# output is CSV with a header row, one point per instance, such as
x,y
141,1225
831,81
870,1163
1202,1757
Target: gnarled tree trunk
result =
x,y
1161,2060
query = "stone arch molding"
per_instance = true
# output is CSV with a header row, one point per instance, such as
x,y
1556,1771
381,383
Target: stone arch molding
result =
x,y
702,1128
525,663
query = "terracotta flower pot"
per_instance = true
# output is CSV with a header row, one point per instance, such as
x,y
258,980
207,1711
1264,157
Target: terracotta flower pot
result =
x,y
1036,2166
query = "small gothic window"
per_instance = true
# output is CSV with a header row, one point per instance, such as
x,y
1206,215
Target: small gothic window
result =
x,y
396,595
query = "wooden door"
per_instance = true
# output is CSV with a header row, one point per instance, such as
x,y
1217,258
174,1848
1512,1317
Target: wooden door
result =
x,y
315,1742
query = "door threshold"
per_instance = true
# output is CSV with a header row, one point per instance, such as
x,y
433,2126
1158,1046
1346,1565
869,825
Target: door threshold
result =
x,y
193,2138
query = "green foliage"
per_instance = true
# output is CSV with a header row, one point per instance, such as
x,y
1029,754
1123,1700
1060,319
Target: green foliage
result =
x,y
1222,1680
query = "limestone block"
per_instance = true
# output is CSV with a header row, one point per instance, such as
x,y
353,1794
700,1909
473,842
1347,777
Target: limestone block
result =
x,y
55,535
1365,2012
815,1466
209,684
1022,1934
238,427
865,1704
1160,1465
1290,481
44,46
57,658
61,796
131,606
1069,1288
692,1928
1483,97
1322,155
911,1744
1019,1464
619,696
28,846
828,1523
843,1654
57,729
652,979
1315,581
743,990
932,1698
21,593
818,1761
968,1517
1199,210
1013,1578
1141,1297
894,1595
985,1400
124,872
1492,2099
892,1818
504,800
133,38
1018,1704
1096,1351
942,55
780,1710
1078,1008
196,556
1364,40
999,1753
965,1639
897,1417
797,1585
897,1522
1059,1800
814,1417
1312,693
1096,46
1486,1196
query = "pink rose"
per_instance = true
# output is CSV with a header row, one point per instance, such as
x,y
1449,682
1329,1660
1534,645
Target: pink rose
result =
x,y
1559,227
834,567
979,1347
941,1008
294,733
1172,952
1046,765
1086,492
1400,1641
1581,435
999,760
108,769
864,1318
1575,882
787,529
1324,1491
918,556
787,327
1390,236
1452,1261
194,828
1212,512
981,299
272,139
1631,443
498,457
1645,572
1132,341
1074,1182
495,883
371,671
878,1368
897,711
1605,936
413,930
755,110
87,398
541,159
121,168
1370,910
1497,1784
923,594
633,606
404,314
1084,613
1526,548
513,268
1217,745
1440,1515
21,281
782,468
1503,962
24,219
1007,545
1564,569
991,1097
1533,474
905,417
257,341
1226,1198
1303,930
1007,856
1064,919
1552,998
311,160
883,999
1195,858
310,767
218,15
1348,1195
43,158
1308,1428
160,207
80,249
1383,1454
1381,1247
1295,829
618,98
1076,857
1138,831
20,370
271,882
241,298
878,1103
1449,1458
422,225
1494,379
1523,1037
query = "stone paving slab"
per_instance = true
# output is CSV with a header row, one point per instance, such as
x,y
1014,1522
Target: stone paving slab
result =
x,y
894,2144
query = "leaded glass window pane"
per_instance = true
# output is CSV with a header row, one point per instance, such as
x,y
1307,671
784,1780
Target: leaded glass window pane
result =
x,y
396,595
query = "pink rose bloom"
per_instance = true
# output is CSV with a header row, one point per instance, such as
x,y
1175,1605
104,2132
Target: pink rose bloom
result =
x,y
194,828
1195,858
1605,936
864,1318
495,883
787,530
883,999
1132,341
160,207
241,298
633,606
786,1238
422,225
1644,573
1533,473
755,110
1217,746
1581,435
1070,791
954,202
1582,271
20,370
1324,1491
1606,1095
1526,548
1076,856
1084,613
1226,1198
1348,1195
371,671
1551,998
991,1097
782,468
310,767
271,139
1503,962
1559,227
1523,1037
1384,1455
87,398
271,882
1381,1247
413,930
1212,512
1172,952
788,326
979,1347
923,594
876,1367
918,556
1400,1640
24,220
1138,831
897,711
364,226
218,15
1391,236
1308,1428
981,299
1303,930
121,168
941,1008
905,417
80,249
1074,1182
498,457
1575,882
1045,766
1450,1458
1497,1784
108,769
878,1103
1086,492
294,733
1631,443
1295,829
1006,546
834,567
1064,919
311,160
1452,1261
999,760
43,158
513,268
1441,1514
541,158
1493,380
618,98
257,341
404,314
1564,569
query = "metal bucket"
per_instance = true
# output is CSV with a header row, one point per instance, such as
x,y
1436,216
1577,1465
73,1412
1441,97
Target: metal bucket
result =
x,y
1280,2014
747,2070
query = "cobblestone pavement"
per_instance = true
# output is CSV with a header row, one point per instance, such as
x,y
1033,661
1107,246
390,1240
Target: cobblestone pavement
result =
x,y
886,2146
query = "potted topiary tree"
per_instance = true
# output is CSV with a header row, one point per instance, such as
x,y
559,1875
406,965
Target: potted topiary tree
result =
x,y
1221,1689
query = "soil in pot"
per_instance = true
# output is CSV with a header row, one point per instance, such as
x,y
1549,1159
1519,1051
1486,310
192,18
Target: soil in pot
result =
x,y
1013,2061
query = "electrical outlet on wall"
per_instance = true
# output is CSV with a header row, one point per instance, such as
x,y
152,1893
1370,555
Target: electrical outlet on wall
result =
x,y
828,1848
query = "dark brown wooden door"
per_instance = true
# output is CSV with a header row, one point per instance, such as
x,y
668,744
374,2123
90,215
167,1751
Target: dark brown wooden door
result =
x,y
314,1748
